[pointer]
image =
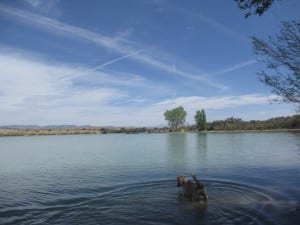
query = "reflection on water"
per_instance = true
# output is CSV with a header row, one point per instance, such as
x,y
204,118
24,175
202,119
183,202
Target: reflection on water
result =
x,y
297,142
177,150
201,141
186,152
251,178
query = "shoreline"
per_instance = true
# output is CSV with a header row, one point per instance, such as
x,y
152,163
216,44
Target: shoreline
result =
x,y
14,132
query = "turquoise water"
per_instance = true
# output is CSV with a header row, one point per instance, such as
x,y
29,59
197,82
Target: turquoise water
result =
x,y
252,178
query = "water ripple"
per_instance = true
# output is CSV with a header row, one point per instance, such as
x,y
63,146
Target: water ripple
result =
x,y
155,202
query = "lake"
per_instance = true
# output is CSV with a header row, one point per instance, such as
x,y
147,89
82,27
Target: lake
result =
x,y
251,178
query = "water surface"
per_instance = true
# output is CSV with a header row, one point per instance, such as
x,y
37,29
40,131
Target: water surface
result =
x,y
252,178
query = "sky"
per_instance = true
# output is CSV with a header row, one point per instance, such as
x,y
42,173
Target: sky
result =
x,y
124,63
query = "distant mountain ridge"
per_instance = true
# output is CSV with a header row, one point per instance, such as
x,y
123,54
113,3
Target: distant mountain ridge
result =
x,y
45,127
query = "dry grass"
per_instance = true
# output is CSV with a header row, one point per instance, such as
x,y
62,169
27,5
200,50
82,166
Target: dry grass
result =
x,y
42,131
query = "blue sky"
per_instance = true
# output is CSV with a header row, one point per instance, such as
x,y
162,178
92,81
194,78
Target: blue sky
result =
x,y
124,63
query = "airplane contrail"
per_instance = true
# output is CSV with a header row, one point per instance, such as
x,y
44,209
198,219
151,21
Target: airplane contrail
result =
x,y
111,62
56,27
236,67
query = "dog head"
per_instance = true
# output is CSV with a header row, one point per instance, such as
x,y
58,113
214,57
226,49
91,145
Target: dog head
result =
x,y
181,180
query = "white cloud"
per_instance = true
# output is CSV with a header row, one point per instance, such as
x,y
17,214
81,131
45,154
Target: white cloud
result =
x,y
218,107
27,83
35,92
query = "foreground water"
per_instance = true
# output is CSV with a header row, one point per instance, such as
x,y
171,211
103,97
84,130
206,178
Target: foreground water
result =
x,y
252,178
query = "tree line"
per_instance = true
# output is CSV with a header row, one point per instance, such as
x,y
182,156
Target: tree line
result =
x,y
176,120
230,124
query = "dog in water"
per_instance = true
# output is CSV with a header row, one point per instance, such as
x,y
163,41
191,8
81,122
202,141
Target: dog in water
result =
x,y
193,190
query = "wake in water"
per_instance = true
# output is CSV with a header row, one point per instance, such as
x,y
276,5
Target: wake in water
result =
x,y
155,202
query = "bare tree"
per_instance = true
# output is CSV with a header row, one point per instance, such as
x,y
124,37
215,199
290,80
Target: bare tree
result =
x,y
256,7
281,53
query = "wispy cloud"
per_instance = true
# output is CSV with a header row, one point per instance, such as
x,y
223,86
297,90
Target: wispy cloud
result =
x,y
120,46
200,16
221,27
45,7
217,102
235,67
41,3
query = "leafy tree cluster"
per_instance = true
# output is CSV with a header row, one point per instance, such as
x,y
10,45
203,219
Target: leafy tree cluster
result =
x,y
200,119
176,118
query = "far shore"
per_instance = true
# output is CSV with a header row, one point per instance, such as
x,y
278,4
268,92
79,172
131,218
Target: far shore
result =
x,y
229,125
98,130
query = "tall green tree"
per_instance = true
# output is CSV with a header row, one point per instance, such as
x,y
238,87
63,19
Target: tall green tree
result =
x,y
175,117
200,119
281,54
